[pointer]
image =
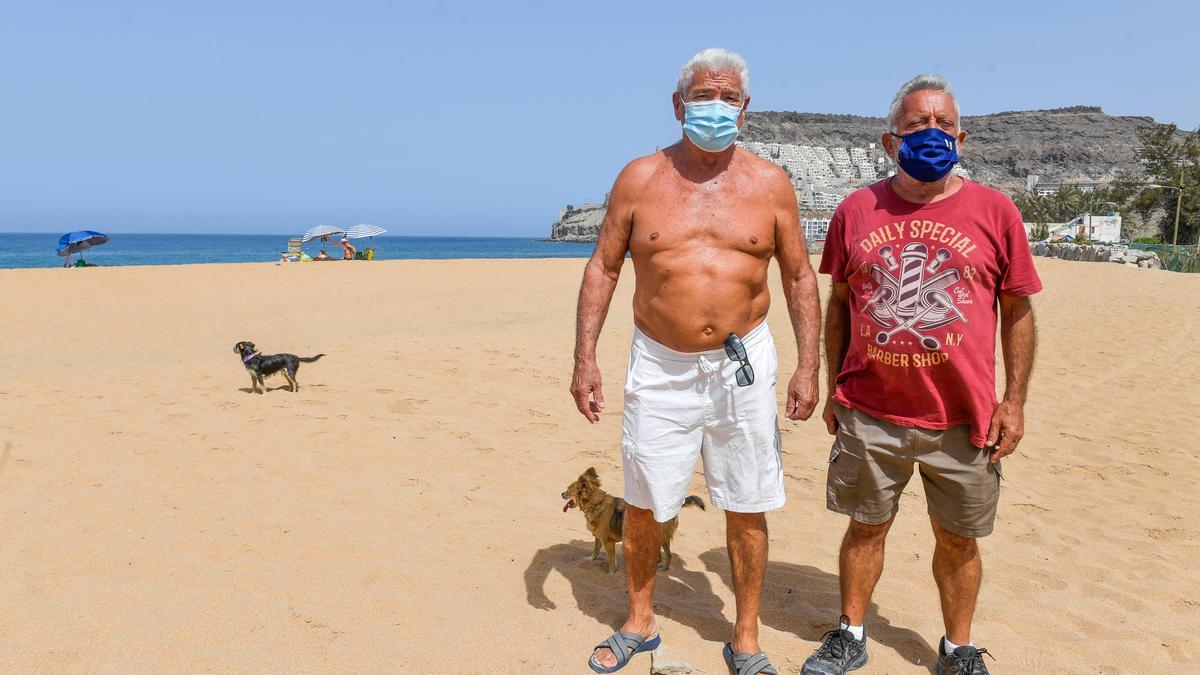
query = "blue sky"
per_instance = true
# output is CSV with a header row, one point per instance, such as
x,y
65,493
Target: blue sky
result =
x,y
485,118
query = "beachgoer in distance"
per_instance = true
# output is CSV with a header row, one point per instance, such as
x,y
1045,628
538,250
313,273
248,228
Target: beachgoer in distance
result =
x,y
347,249
322,256
702,220
920,263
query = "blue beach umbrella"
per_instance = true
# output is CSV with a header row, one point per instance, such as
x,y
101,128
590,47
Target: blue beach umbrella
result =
x,y
74,242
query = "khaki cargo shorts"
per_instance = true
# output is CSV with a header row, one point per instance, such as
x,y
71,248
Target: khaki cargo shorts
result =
x,y
872,460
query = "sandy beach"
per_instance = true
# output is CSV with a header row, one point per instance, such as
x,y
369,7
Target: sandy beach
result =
x,y
401,512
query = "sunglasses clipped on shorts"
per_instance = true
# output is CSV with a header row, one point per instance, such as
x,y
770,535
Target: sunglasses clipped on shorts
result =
x,y
736,351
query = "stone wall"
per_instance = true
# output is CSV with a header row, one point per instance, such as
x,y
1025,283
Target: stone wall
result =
x,y
1097,253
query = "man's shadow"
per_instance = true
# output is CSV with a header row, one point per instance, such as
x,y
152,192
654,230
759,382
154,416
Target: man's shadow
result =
x,y
680,594
804,601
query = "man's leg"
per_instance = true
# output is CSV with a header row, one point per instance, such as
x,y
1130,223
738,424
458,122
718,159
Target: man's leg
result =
x,y
958,570
860,563
643,537
746,539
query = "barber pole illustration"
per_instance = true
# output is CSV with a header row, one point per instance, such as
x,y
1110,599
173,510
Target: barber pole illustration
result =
x,y
916,301
912,272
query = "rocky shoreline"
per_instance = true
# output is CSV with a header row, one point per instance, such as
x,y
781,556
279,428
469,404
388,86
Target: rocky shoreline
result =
x,y
1098,253
578,223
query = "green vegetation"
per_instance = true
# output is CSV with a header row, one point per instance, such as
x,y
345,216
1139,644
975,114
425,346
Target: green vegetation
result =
x,y
1168,160
1063,205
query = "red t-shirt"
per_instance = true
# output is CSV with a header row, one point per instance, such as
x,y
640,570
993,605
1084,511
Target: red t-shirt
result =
x,y
924,283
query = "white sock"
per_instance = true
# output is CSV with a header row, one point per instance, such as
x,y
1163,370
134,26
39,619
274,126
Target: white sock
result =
x,y
950,646
856,631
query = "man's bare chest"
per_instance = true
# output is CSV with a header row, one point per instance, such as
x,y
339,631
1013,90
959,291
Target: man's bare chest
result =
x,y
720,219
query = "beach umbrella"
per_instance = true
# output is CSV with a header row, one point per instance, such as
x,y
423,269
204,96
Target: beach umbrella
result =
x,y
320,231
361,231
74,242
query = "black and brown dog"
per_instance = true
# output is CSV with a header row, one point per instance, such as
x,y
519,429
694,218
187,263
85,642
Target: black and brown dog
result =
x,y
605,517
261,365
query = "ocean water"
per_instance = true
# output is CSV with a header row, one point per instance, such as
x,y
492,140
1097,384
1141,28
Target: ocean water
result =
x,y
38,249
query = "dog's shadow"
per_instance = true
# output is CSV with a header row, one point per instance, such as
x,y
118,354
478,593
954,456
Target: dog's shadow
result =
x,y
284,387
681,595
805,601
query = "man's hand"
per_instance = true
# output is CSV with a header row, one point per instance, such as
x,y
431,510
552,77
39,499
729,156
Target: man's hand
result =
x,y
585,387
831,423
1007,429
802,394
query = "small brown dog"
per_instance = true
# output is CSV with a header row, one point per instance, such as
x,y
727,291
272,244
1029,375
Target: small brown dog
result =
x,y
605,515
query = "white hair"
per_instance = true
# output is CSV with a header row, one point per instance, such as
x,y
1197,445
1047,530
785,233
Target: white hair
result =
x,y
922,82
714,60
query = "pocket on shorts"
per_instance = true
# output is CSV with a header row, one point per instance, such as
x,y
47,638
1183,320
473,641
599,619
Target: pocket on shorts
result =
x,y
629,464
635,355
843,466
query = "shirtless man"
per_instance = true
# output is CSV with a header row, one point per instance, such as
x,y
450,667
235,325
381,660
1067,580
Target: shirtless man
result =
x,y
702,220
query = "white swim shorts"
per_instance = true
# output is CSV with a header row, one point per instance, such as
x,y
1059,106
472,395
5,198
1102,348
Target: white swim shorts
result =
x,y
681,405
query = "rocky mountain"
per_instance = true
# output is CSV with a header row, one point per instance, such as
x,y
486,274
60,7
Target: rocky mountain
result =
x,y
578,223
1081,144
1078,144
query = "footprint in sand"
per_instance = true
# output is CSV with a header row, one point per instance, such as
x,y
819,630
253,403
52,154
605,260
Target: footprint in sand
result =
x,y
408,405
1170,534
383,391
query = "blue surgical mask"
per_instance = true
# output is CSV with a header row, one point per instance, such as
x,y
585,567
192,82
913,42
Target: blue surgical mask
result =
x,y
711,125
927,155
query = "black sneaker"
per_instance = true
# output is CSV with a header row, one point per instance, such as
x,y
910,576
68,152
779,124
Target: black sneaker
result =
x,y
964,661
839,653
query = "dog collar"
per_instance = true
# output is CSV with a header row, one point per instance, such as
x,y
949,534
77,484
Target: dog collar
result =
x,y
247,359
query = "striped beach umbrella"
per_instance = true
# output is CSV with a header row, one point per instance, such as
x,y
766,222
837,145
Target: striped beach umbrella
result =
x,y
320,231
362,231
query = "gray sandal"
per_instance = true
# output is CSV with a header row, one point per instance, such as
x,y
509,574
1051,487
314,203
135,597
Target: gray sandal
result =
x,y
742,663
623,646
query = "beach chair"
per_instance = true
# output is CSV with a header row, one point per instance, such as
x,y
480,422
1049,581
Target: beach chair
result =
x,y
292,254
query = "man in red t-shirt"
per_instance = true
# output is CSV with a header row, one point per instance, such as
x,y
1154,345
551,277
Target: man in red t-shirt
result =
x,y
920,263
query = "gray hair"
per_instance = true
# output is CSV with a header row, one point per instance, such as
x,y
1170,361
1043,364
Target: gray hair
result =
x,y
922,82
715,60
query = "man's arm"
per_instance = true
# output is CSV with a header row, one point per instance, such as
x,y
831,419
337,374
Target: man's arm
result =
x,y
837,343
595,293
803,303
1018,339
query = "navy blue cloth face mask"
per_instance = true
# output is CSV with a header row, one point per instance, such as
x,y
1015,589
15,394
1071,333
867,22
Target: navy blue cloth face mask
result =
x,y
927,155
